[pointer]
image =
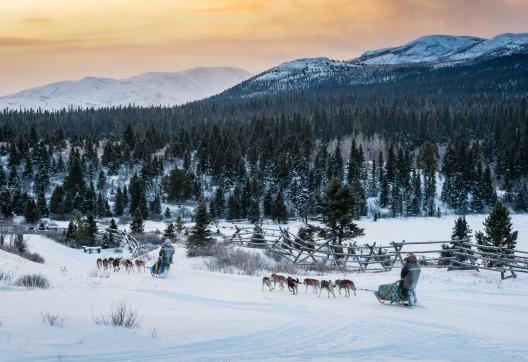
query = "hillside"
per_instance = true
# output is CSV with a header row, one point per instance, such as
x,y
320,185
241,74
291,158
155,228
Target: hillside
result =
x,y
149,89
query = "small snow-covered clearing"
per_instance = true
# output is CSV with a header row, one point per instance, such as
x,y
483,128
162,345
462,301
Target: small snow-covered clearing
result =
x,y
196,315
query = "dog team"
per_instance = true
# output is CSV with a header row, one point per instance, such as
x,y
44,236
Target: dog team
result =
x,y
116,264
316,285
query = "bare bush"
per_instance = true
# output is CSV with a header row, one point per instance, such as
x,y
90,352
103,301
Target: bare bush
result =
x,y
53,320
16,244
33,281
154,333
5,276
121,315
238,261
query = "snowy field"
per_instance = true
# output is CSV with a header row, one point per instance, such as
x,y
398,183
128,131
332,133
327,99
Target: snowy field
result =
x,y
195,315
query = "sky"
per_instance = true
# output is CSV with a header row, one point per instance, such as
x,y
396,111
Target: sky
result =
x,y
43,41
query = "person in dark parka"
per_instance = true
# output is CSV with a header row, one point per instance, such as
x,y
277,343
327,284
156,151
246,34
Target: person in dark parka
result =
x,y
410,274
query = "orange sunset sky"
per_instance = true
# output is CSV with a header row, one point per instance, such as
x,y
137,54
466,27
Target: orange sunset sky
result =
x,y
42,41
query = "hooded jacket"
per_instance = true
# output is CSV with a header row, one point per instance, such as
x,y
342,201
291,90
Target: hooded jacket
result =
x,y
410,272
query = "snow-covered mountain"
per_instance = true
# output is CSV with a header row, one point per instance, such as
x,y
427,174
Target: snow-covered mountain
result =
x,y
446,49
166,89
379,66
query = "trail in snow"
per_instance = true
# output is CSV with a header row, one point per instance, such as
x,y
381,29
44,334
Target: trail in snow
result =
x,y
205,316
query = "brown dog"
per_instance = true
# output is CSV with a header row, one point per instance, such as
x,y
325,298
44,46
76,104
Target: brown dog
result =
x,y
281,279
266,281
314,283
327,284
347,285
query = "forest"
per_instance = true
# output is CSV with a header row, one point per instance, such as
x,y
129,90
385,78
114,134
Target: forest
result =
x,y
395,153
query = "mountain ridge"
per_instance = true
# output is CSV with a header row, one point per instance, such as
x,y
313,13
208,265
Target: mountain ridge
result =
x,y
146,89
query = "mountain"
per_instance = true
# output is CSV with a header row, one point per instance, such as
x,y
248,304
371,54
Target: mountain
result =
x,y
446,49
149,89
425,54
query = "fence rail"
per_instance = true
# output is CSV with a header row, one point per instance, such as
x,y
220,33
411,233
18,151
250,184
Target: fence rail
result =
x,y
352,257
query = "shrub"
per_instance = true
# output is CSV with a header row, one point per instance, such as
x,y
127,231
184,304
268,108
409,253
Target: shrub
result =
x,y
32,281
5,276
53,320
17,245
226,260
121,315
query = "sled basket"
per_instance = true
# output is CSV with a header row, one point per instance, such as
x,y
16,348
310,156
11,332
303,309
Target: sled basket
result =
x,y
391,293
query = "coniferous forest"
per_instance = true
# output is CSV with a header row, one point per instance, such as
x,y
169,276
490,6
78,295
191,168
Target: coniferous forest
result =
x,y
397,153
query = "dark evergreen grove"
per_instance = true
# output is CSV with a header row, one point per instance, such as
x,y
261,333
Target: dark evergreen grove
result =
x,y
390,146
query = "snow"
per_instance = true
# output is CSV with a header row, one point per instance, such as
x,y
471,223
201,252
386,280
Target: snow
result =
x,y
425,49
446,49
166,89
306,67
205,316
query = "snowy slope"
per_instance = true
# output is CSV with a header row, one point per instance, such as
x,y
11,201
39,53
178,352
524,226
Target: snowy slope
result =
x,y
167,89
206,316
445,48
379,66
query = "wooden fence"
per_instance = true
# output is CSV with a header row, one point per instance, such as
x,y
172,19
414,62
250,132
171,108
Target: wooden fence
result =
x,y
352,257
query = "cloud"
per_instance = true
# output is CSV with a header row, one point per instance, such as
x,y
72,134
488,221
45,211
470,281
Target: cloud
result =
x,y
38,21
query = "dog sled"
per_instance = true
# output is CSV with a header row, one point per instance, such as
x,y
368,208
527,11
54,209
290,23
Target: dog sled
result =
x,y
161,267
392,294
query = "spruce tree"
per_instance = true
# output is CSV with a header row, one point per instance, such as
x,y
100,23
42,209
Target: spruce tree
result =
x,y
497,233
136,226
279,211
180,226
169,232
167,213
113,225
42,205
31,212
461,237
268,204
101,181
219,202
56,203
91,228
337,214
199,241
254,211
233,207
119,203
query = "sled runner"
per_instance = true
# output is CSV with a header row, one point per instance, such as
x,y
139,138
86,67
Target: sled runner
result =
x,y
391,294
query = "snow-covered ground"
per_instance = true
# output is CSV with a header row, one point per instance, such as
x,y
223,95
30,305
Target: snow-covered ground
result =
x,y
206,316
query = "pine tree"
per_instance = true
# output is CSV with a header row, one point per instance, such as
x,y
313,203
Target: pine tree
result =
x,y
31,212
136,227
337,213
91,228
461,237
279,211
180,226
497,233
119,203
268,204
113,226
56,204
233,207
199,240
41,204
219,202
167,213
155,205
254,211
101,180
138,198
169,232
